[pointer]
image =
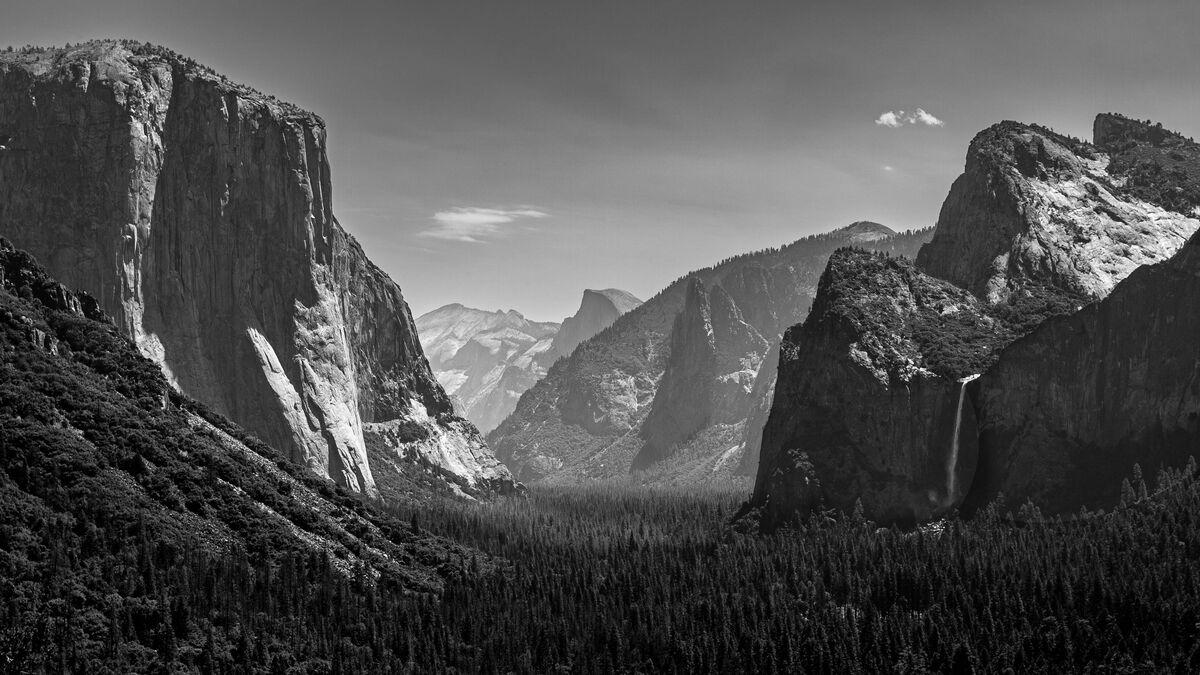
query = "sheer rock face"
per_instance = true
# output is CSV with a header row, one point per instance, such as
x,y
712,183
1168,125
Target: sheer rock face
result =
x,y
762,395
591,415
859,411
199,213
714,358
1036,207
1068,410
1039,226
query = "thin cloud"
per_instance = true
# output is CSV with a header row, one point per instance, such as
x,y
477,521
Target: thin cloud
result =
x,y
473,224
894,119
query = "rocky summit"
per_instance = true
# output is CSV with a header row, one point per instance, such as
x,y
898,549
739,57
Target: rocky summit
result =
x,y
1033,206
597,311
199,213
1049,239
668,388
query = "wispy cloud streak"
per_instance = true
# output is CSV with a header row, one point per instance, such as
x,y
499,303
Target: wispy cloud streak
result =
x,y
474,224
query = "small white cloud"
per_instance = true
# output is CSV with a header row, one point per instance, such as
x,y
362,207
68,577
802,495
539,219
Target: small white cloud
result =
x,y
474,224
891,118
898,118
889,168
927,119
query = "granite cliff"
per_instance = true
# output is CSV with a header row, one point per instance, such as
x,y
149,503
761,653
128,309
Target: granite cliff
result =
x,y
1039,226
1068,410
199,213
708,376
592,414
864,405
92,435
1033,206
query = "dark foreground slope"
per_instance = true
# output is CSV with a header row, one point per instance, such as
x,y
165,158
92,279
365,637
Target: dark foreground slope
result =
x,y
133,522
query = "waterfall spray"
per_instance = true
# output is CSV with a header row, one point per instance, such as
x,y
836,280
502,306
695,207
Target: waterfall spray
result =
x,y
952,460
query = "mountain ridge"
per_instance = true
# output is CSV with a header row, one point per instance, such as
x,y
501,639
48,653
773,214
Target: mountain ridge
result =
x,y
486,360
581,422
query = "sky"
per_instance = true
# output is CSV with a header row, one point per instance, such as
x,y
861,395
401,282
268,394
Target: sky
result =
x,y
511,153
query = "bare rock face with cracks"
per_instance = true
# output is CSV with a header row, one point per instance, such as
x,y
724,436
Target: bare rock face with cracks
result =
x,y
919,389
199,213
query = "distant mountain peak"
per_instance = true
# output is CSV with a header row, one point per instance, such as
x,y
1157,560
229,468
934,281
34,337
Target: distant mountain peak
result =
x,y
598,309
623,301
864,231
866,226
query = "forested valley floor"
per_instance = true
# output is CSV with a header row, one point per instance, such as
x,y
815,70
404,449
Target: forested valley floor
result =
x,y
607,579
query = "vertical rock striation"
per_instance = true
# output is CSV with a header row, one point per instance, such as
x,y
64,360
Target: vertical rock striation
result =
x,y
1068,410
199,213
714,358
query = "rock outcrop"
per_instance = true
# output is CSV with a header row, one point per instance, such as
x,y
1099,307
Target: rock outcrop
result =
x,y
1036,207
865,406
199,213
587,419
708,377
597,311
1116,383
484,360
762,395
1039,226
